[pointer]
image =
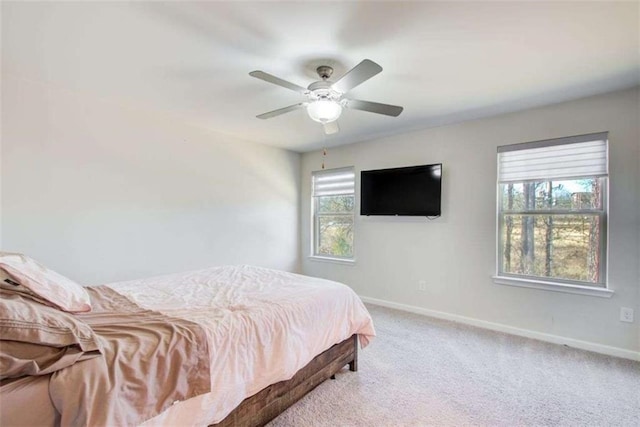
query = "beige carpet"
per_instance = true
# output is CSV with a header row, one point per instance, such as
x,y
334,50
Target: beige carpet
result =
x,y
423,371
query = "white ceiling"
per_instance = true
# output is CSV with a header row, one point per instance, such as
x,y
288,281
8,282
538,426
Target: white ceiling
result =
x,y
443,61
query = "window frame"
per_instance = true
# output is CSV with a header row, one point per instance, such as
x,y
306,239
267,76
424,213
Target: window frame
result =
x,y
601,288
316,215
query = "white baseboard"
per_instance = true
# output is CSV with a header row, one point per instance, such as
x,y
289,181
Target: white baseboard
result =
x,y
584,345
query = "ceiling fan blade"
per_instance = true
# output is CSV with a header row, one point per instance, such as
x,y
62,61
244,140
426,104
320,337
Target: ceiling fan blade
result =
x,y
331,127
374,107
277,81
357,75
280,111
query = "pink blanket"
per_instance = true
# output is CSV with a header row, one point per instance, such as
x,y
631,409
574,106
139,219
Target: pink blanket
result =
x,y
148,362
262,326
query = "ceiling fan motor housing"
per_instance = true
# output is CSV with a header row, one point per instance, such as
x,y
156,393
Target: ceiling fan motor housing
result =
x,y
323,90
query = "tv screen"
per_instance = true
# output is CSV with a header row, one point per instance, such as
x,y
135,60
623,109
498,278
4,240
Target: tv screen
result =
x,y
409,191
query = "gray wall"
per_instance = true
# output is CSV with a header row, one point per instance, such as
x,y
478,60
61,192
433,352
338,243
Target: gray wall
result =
x,y
103,192
455,254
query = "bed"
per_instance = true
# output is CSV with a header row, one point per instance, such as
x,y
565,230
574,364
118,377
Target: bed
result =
x,y
252,342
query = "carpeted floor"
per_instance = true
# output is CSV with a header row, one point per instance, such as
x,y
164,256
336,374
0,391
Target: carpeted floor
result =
x,y
423,371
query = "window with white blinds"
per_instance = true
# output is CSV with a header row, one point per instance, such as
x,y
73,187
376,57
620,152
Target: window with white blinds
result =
x,y
333,197
552,210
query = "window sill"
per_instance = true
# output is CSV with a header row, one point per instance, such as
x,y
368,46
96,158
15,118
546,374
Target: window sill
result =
x,y
332,260
553,286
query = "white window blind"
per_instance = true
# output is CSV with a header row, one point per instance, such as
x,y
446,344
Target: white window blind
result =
x,y
333,182
571,157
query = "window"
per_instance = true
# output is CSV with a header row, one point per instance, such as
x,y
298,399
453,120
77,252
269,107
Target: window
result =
x,y
552,211
333,196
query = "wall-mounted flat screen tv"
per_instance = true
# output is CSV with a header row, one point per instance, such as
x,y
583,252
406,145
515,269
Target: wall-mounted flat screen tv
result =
x,y
408,191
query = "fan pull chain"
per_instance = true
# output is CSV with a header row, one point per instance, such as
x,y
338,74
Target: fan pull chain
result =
x,y
324,154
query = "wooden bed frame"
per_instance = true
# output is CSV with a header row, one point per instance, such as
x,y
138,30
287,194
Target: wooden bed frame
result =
x,y
264,406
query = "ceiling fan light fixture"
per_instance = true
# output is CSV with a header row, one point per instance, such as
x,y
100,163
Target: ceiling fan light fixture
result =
x,y
324,110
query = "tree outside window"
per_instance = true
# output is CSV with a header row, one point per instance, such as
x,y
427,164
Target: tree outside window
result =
x,y
553,229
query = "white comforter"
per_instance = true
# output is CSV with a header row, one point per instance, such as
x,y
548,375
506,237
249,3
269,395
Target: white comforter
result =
x,y
263,326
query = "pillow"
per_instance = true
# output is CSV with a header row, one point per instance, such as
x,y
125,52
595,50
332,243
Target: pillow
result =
x,y
7,284
36,339
49,285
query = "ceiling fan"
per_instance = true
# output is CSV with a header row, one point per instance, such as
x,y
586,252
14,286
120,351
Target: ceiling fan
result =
x,y
325,98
